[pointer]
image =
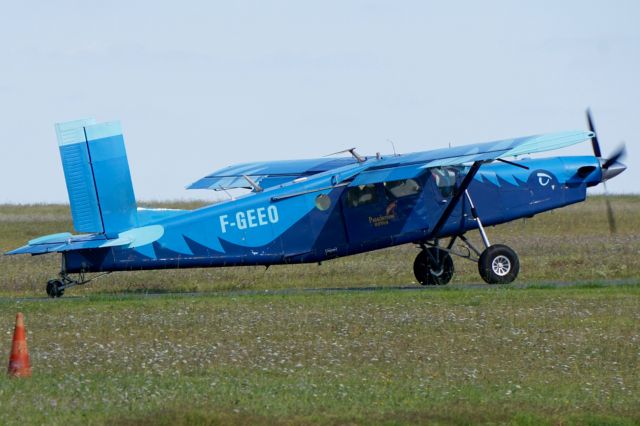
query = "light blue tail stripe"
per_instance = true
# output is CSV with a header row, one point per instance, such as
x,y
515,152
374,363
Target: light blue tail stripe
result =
x,y
72,132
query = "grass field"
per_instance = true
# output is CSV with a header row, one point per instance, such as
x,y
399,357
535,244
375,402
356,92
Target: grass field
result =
x,y
568,244
453,355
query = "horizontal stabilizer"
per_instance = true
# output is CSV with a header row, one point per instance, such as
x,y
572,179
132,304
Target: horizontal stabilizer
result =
x,y
66,242
60,238
60,242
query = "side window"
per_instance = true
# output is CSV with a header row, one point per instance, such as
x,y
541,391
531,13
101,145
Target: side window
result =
x,y
361,195
402,188
445,179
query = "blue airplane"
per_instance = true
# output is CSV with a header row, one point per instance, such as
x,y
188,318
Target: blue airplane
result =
x,y
302,211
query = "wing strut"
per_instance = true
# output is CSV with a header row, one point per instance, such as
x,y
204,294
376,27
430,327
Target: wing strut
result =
x,y
254,185
456,197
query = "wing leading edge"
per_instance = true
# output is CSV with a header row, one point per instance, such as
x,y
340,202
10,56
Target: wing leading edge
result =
x,y
273,173
411,165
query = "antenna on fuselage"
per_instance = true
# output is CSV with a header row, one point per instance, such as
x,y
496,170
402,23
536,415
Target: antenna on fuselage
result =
x,y
393,146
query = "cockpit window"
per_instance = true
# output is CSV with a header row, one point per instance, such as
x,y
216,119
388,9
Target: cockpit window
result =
x,y
402,188
361,195
445,178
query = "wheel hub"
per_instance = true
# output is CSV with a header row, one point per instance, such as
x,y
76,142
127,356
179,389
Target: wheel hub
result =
x,y
501,265
436,272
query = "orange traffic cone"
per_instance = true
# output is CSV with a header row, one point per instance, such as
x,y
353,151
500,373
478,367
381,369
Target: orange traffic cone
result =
x,y
19,365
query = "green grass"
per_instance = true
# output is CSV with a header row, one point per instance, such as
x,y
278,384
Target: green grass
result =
x,y
451,357
455,355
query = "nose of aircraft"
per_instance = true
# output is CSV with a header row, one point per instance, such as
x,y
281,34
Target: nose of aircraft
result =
x,y
610,167
611,170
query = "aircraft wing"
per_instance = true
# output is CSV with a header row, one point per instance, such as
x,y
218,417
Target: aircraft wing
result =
x,y
272,173
267,173
413,164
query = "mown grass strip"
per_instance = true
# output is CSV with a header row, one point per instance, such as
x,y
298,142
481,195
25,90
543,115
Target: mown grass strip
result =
x,y
560,355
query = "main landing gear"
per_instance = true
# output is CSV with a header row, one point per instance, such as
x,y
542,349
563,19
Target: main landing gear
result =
x,y
497,264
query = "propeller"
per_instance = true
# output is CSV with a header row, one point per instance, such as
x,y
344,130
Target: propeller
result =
x,y
610,167
619,154
610,217
594,140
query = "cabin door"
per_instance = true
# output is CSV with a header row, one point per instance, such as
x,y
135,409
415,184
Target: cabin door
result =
x,y
375,213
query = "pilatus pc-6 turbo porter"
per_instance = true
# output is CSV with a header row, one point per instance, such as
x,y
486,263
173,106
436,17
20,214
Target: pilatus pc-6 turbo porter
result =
x,y
302,211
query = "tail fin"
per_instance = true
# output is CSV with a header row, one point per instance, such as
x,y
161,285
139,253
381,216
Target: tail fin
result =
x,y
97,175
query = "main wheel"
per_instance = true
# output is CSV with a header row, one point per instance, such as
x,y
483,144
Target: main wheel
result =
x,y
433,266
55,288
498,264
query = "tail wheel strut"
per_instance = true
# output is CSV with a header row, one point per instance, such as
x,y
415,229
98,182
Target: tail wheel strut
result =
x,y
56,287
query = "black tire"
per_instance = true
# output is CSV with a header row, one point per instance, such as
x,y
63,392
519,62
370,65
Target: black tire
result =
x,y
498,264
54,288
433,266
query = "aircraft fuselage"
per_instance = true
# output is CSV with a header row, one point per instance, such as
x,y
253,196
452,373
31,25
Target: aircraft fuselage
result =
x,y
313,220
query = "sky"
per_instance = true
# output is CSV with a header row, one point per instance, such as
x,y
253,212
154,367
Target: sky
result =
x,y
200,85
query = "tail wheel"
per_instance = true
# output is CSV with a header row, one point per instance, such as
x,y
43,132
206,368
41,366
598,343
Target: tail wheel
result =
x,y
433,266
498,264
55,288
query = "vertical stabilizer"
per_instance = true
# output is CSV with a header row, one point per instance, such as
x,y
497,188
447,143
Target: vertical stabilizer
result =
x,y
98,178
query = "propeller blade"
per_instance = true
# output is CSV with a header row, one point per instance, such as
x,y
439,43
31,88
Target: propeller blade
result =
x,y
610,217
594,140
620,153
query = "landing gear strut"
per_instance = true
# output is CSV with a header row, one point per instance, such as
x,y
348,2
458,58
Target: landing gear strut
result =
x,y
56,287
497,264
